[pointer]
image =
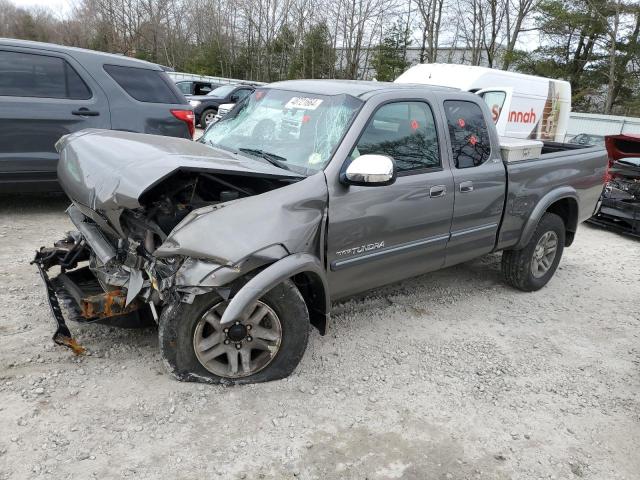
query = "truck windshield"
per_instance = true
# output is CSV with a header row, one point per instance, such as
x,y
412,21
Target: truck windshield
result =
x,y
293,130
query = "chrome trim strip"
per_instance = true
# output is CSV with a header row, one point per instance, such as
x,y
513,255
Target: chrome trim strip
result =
x,y
395,249
467,231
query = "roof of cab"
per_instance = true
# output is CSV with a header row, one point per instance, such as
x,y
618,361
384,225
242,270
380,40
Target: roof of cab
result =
x,y
356,88
75,52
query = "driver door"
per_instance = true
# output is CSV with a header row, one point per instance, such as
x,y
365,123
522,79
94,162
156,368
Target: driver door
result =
x,y
381,234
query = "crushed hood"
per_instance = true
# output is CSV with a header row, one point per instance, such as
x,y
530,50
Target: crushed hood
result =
x,y
108,170
290,217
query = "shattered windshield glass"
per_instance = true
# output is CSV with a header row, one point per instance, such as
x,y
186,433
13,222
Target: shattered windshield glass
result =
x,y
292,130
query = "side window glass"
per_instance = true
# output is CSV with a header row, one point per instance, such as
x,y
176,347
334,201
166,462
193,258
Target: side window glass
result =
x,y
470,144
202,89
144,84
495,101
42,76
184,87
404,131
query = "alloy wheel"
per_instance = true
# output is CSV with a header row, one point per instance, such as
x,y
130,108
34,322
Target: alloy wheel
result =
x,y
241,348
544,254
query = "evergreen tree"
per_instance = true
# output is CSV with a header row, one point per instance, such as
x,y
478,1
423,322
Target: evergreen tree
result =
x,y
316,57
390,56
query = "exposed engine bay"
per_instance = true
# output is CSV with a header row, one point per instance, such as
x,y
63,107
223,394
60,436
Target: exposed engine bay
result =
x,y
170,201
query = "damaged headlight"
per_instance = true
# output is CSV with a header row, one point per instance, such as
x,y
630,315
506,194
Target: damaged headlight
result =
x,y
162,272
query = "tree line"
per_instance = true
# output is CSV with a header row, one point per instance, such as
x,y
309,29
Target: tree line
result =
x,y
591,43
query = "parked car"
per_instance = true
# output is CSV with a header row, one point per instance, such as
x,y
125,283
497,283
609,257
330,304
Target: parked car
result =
x,y
619,208
47,91
587,139
205,107
223,110
196,87
310,192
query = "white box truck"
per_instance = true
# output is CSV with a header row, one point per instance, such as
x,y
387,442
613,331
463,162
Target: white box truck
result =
x,y
522,106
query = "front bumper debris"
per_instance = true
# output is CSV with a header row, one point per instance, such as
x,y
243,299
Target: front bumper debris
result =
x,y
75,291
62,335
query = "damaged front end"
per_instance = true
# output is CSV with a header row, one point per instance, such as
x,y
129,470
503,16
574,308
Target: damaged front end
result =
x,y
619,208
99,281
153,228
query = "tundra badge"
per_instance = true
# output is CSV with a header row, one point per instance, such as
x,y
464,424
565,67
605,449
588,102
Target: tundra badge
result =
x,y
360,249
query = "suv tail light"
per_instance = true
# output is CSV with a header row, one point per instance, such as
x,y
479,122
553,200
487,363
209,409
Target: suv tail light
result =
x,y
187,117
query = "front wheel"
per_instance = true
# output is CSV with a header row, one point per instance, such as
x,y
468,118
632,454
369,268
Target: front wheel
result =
x,y
532,267
266,345
207,118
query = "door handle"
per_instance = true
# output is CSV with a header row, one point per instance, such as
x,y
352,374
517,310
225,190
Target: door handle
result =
x,y
466,187
438,191
85,112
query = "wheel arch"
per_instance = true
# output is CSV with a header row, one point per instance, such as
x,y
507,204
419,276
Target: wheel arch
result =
x,y
562,202
305,270
567,209
313,289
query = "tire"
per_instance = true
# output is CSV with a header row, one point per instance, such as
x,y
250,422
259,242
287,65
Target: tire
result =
x,y
181,324
518,266
203,117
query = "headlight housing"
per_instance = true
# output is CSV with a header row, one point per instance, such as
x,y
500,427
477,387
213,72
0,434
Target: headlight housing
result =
x,y
194,103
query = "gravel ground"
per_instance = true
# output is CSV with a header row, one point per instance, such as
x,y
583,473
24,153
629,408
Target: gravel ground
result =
x,y
451,375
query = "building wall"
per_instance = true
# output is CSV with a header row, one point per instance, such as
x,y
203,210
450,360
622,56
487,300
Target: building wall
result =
x,y
444,55
595,124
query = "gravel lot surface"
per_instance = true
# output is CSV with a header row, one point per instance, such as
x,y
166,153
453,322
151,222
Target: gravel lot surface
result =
x,y
451,375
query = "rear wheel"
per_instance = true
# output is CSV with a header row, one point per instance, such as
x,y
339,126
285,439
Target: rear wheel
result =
x,y
532,267
267,344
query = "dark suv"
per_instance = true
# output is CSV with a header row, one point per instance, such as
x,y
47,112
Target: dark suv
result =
x,y
195,87
47,91
206,106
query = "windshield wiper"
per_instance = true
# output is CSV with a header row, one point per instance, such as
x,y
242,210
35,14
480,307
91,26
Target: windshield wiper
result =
x,y
272,158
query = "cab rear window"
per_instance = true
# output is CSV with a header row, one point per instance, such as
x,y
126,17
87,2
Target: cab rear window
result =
x,y
470,143
143,84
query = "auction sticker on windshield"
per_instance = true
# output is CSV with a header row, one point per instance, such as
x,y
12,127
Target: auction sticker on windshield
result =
x,y
306,103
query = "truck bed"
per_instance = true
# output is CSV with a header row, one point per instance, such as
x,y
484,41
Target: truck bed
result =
x,y
576,170
555,147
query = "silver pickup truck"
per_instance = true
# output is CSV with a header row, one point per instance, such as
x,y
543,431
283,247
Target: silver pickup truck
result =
x,y
305,193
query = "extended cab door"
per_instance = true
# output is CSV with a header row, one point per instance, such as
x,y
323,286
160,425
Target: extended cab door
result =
x,y
381,234
43,96
479,179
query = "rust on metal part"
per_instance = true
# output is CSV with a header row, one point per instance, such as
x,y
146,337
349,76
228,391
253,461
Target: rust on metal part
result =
x,y
107,304
71,343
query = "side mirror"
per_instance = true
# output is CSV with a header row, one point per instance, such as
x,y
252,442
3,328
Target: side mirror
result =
x,y
234,98
370,170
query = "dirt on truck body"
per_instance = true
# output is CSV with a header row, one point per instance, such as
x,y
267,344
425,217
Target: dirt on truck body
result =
x,y
305,193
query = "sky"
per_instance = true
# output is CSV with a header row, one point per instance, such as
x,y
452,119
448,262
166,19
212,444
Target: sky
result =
x,y
59,6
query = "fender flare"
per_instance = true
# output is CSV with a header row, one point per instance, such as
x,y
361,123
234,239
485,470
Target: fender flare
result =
x,y
543,204
271,276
